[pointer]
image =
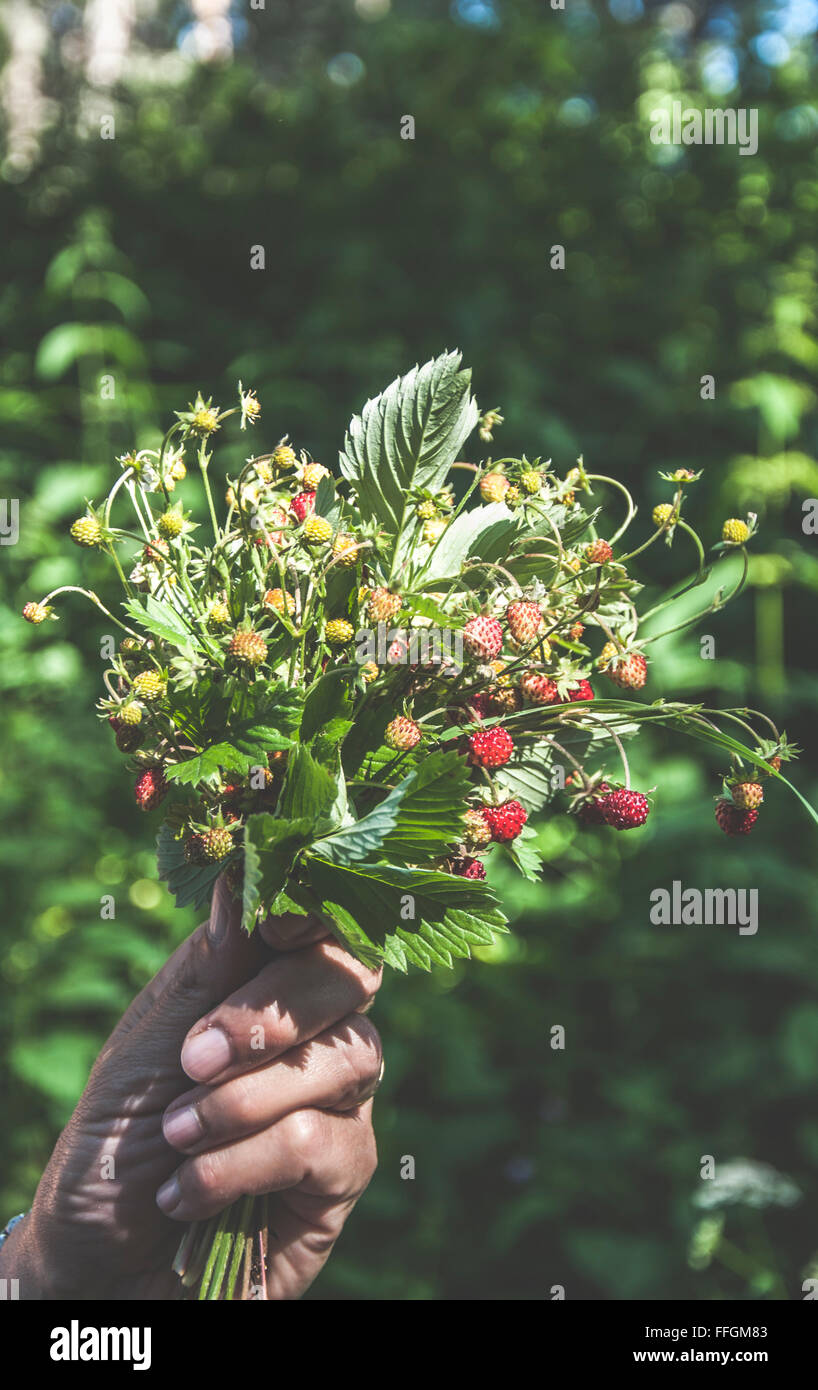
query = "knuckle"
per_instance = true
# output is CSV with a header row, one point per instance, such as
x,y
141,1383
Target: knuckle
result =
x,y
242,1104
201,1179
360,1055
306,1132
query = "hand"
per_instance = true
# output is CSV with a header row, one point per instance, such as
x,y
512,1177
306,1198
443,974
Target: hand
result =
x,y
285,1066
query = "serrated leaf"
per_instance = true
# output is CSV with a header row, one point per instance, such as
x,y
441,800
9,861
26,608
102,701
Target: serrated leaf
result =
x,y
205,766
162,621
527,775
408,437
250,895
524,853
309,789
481,532
327,700
275,843
410,916
189,883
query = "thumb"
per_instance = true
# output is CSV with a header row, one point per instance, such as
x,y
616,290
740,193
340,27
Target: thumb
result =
x,y
216,959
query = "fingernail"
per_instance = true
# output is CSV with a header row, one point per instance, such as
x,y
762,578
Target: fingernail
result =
x,y
204,1056
183,1127
219,915
169,1195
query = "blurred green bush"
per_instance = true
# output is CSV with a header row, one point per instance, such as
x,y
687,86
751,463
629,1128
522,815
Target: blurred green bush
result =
x,y
130,258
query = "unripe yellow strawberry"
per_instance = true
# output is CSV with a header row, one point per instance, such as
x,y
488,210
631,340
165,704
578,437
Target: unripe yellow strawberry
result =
x,y
170,525
283,457
572,563
130,713
493,487
218,614
477,833
249,648
345,550
264,472
177,471
609,652
37,612
317,530
531,481
277,599
426,510
663,514
735,531
312,475
433,530
383,605
338,632
369,671
148,685
86,531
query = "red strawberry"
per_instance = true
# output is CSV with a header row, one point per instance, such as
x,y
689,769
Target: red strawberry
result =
x,y
468,867
630,673
479,704
150,788
582,691
598,553
624,809
483,638
524,618
733,819
303,504
591,812
505,822
539,689
491,747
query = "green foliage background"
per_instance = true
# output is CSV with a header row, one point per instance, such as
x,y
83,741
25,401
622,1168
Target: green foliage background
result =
x,y
130,257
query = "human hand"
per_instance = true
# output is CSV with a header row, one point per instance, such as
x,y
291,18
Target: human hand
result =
x,y
285,1065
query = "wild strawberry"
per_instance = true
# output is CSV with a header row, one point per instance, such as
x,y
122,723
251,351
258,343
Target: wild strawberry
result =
x,y
194,848
317,530
177,471
524,618
493,487
170,525
128,738
217,843
512,496
248,647
148,685
338,632
426,510
279,601
478,704
629,672
402,734
264,472
774,763
345,550
467,867
608,654
37,612
591,811
490,747
572,563
383,605
156,553
397,653
150,788
735,531
477,833
218,614
582,691
505,699
625,810
505,822
130,713
283,457
313,474
663,514
576,631
733,820
370,671
483,638
87,531
748,796
303,505
433,530
598,553
531,481
539,689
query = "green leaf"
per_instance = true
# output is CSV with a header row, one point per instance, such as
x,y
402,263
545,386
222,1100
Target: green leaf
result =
x,y
484,532
309,789
410,916
416,821
275,843
524,853
527,775
189,883
163,622
205,766
326,700
408,437
250,894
